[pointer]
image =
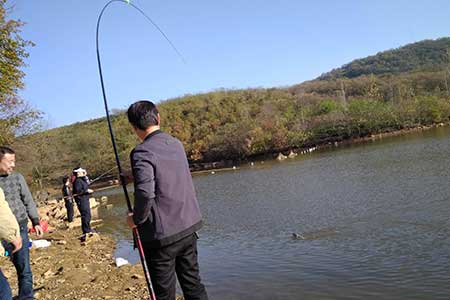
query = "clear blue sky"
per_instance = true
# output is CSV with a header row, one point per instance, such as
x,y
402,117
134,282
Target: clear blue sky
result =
x,y
227,44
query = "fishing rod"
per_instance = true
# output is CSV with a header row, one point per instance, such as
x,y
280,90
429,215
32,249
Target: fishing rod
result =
x,y
102,175
116,154
76,195
92,181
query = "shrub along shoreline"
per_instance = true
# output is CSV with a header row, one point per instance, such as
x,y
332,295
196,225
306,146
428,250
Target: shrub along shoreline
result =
x,y
223,130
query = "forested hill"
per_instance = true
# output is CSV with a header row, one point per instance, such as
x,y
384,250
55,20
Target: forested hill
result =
x,y
427,55
238,125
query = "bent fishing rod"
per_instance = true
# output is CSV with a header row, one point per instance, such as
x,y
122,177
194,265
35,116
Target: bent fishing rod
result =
x,y
102,175
116,154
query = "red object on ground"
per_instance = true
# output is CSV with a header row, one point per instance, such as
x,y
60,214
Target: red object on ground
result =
x,y
44,225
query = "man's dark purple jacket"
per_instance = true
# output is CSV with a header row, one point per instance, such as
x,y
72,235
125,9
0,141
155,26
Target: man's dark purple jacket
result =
x,y
165,205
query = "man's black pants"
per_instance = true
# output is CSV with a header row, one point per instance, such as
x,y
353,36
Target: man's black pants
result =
x,y
179,258
69,208
85,212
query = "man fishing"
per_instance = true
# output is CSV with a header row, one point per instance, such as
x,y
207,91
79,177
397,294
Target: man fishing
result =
x,y
166,211
81,193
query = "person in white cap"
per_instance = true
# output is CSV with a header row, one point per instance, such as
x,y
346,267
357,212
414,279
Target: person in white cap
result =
x,y
81,193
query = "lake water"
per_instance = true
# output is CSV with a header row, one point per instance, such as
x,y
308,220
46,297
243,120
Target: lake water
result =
x,y
375,218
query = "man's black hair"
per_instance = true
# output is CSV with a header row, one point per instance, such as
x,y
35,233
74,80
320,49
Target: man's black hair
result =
x,y
143,114
64,179
5,150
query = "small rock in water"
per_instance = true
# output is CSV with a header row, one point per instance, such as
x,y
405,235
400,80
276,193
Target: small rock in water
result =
x,y
297,236
314,235
93,203
281,156
292,154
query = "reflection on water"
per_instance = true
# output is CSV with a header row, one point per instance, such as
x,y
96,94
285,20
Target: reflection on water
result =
x,y
375,219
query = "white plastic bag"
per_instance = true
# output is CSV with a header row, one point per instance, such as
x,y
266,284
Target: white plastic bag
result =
x,y
121,262
41,243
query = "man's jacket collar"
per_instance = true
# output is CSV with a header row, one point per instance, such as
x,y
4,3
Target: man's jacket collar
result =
x,y
152,134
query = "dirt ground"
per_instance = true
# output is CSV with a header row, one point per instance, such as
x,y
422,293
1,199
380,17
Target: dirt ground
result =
x,y
71,269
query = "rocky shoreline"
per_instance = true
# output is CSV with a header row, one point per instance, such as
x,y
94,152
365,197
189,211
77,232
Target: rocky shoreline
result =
x,y
71,269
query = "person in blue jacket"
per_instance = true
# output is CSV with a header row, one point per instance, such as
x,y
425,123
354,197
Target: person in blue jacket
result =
x,y
81,193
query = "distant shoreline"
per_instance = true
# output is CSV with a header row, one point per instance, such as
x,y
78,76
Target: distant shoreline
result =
x,y
272,155
234,165
231,165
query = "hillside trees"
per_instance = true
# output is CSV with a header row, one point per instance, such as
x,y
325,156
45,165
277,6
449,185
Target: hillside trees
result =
x,y
16,115
237,125
423,56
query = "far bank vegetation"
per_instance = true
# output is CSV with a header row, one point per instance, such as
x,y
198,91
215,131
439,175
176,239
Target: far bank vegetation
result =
x,y
236,125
